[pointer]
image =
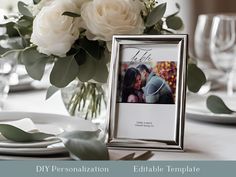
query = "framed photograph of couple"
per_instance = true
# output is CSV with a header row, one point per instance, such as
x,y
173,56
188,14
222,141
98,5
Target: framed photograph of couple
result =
x,y
147,89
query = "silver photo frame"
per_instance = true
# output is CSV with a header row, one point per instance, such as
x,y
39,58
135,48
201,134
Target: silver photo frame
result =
x,y
147,92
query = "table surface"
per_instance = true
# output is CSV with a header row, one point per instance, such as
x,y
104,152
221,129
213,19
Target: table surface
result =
x,y
203,141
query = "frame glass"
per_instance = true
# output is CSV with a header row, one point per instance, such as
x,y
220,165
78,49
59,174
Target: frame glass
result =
x,y
147,90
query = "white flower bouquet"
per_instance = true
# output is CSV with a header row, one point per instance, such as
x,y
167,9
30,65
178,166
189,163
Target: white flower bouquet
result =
x,y
75,36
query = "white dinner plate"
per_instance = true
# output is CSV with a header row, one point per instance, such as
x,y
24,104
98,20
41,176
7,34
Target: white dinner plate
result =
x,y
33,151
41,144
196,109
47,123
12,157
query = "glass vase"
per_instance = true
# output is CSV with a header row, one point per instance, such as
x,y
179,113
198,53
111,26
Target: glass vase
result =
x,y
86,100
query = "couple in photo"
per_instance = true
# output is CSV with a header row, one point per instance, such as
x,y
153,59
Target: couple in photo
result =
x,y
141,85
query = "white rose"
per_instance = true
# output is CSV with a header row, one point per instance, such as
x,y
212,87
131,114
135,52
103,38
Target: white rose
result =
x,y
53,32
104,18
37,8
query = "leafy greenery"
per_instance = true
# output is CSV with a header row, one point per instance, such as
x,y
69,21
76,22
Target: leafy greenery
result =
x,y
174,22
34,62
155,15
92,48
51,91
18,135
22,7
86,60
196,78
83,145
216,105
36,1
64,71
71,14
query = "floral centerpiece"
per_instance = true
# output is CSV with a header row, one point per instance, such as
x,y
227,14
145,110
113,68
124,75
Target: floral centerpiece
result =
x,y
75,36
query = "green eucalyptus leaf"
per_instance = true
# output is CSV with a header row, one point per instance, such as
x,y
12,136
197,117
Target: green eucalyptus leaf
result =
x,y
155,15
34,62
80,57
36,1
71,14
196,78
18,135
10,29
25,22
101,73
93,69
216,105
85,145
64,71
92,48
51,91
87,70
174,22
22,7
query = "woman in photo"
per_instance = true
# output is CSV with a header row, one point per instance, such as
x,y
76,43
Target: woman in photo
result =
x,y
131,90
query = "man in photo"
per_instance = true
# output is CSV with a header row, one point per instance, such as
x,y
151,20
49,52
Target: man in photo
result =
x,y
155,89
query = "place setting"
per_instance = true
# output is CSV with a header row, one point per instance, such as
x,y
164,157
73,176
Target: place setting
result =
x,y
48,148
51,147
215,49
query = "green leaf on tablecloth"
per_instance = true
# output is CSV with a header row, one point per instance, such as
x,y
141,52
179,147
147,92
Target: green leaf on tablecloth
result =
x,y
34,62
22,7
174,22
15,134
196,78
85,145
51,91
216,105
156,14
64,71
71,14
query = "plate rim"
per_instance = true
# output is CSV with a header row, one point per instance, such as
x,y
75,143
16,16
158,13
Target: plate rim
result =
x,y
50,116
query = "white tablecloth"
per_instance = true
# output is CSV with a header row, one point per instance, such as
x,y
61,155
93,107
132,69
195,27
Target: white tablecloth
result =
x,y
203,141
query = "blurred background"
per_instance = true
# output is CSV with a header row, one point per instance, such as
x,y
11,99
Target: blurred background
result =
x,y
190,9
